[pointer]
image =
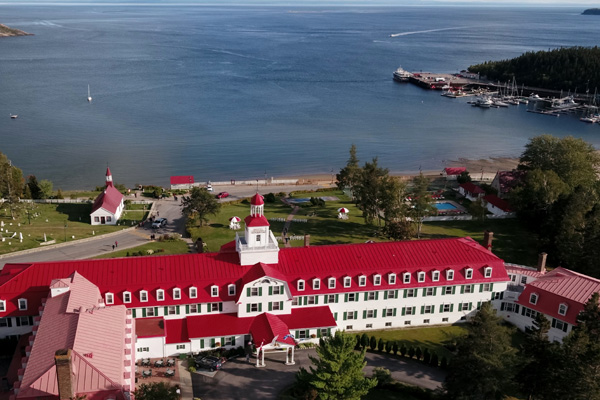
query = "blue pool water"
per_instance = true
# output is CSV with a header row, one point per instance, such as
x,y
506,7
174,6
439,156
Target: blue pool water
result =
x,y
445,206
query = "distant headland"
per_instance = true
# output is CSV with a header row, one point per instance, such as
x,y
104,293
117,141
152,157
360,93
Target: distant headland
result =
x,y
591,11
5,31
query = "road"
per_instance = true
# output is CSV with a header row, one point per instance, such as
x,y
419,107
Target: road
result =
x,y
165,208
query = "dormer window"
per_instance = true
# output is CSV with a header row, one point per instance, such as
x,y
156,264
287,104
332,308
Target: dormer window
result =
x,y
331,283
143,295
533,298
347,281
176,294
377,280
316,284
469,273
450,275
231,290
109,298
421,276
488,272
126,297
392,279
160,294
362,280
300,285
2,305
435,276
214,291
193,292
22,304
406,277
562,309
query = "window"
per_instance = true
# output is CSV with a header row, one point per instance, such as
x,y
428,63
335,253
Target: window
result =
x,y
258,238
347,281
331,283
421,276
295,301
450,275
370,314
468,288
150,312
388,312
425,321
513,278
160,294
447,290
464,306
5,322
469,273
428,292
193,292
562,309
362,280
371,295
109,299
316,284
510,307
180,347
444,319
172,310
254,307
143,295
348,327
254,292
488,272
126,297
376,280
435,276
369,326
228,341
427,309
214,291
213,307
523,280
108,218
406,322
487,287
310,300
392,279
391,294
277,290
176,294
558,324
24,321
351,315
23,304
409,310
446,307
406,277
300,284
324,332
96,219
143,349
352,296
411,292
194,309
275,306
528,312
388,324
331,298
2,305
231,290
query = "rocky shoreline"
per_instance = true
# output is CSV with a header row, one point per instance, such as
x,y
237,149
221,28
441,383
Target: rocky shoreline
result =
x,y
5,31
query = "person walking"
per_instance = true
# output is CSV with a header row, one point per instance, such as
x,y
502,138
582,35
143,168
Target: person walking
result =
x,y
113,247
116,244
248,351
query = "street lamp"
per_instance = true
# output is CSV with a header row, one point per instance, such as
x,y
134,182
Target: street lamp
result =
x,y
65,230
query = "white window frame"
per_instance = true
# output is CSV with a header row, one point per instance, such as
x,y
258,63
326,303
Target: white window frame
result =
x,y
566,308
231,289
410,293
176,294
150,312
468,273
109,298
160,295
214,291
24,300
362,281
194,308
193,292
388,312
275,306
331,283
143,296
421,276
391,279
446,307
391,294
311,300
533,296
488,272
450,275
2,305
347,281
370,314
376,279
172,310
300,285
406,277
428,309
316,284
435,276
126,297
428,291
277,290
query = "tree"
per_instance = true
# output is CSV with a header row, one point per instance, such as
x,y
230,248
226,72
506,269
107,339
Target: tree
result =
x,y
45,189
348,176
11,184
199,205
337,371
422,203
486,353
388,346
395,347
369,190
478,210
34,187
373,343
156,391
380,345
364,340
464,177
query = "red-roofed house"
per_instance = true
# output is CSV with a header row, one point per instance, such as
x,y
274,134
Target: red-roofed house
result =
x,y
452,173
109,205
470,191
497,206
182,182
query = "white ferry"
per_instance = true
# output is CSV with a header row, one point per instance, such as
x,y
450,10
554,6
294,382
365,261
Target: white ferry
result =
x,y
401,75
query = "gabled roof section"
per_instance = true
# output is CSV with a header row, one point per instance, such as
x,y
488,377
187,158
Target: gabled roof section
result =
x,y
470,187
454,170
267,328
261,270
256,220
497,202
109,200
182,180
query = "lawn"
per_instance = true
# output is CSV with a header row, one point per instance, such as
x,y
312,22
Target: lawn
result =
x,y
158,248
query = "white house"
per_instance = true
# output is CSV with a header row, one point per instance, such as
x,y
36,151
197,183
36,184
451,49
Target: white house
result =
x,y
182,182
109,205
452,173
470,191
498,206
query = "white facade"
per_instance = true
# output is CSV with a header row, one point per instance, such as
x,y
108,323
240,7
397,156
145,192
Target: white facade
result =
x,y
498,211
105,217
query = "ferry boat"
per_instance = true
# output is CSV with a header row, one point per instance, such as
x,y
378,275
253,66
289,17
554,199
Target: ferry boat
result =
x,y
401,75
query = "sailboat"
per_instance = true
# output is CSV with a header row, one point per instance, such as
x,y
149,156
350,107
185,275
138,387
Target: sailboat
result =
x,y
89,96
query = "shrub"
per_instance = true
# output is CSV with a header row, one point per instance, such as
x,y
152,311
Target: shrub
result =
x,y
383,375
357,347
435,360
192,369
388,346
373,343
380,345
411,352
418,353
364,340
426,356
395,347
282,194
270,198
444,363
403,350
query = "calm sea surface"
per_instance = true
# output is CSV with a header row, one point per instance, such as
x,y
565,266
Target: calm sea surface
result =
x,y
234,92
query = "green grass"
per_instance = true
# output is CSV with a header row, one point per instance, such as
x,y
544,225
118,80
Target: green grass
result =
x,y
171,247
80,194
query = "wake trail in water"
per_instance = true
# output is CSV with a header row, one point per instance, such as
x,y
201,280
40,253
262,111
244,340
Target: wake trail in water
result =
x,y
430,30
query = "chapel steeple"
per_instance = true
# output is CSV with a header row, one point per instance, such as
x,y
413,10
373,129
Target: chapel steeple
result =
x,y
109,181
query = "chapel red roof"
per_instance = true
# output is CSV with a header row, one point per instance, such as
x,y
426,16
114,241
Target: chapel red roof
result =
x,y
182,180
256,220
109,199
497,202
257,200
470,187
455,170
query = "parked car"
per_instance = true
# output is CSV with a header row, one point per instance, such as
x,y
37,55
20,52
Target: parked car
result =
x,y
159,223
222,195
209,188
209,362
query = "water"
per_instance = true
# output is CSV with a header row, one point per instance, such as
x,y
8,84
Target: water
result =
x,y
445,206
236,92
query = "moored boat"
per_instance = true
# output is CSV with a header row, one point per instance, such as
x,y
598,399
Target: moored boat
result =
x,y
401,75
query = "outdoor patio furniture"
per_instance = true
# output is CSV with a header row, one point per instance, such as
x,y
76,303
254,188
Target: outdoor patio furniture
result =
x,y
159,363
145,361
146,373
169,372
170,362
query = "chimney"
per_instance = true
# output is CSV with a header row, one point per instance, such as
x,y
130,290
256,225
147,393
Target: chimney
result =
x,y
64,373
541,266
306,240
487,239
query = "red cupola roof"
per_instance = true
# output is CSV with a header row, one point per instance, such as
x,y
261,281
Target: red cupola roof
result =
x,y
257,200
108,172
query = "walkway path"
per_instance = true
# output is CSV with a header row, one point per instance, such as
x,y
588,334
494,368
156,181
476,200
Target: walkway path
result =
x,y
288,222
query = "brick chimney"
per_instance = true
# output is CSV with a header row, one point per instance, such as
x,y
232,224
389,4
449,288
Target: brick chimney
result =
x,y
541,265
64,374
306,240
488,237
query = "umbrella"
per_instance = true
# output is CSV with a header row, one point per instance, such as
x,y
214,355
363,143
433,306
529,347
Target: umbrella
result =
x,y
343,210
235,219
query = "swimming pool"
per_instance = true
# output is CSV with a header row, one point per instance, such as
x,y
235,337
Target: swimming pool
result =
x,y
445,206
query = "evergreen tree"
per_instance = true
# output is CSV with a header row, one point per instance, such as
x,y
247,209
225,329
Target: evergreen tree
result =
x,y
403,350
337,371
395,347
348,176
34,187
380,345
418,353
484,364
364,340
435,360
426,356
411,352
369,191
388,346
373,343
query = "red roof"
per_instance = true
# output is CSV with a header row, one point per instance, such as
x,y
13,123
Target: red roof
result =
x,y
217,325
560,286
108,172
257,200
517,269
455,170
176,331
182,180
203,270
267,328
497,202
149,327
109,200
470,187
256,220
309,317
